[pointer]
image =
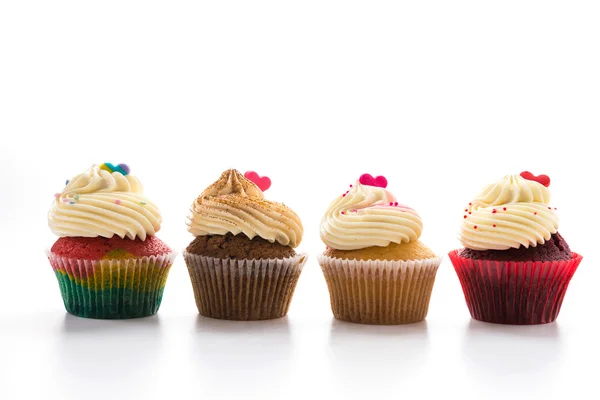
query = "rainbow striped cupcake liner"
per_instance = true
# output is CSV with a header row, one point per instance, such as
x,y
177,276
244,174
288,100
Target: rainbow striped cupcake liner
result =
x,y
112,289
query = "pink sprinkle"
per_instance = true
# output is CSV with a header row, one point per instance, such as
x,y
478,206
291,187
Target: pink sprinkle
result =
x,y
396,203
57,195
117,201
391,204
354,210
343,213
350,185
66,200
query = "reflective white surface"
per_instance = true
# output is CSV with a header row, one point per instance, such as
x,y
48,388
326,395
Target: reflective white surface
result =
x,y
52,354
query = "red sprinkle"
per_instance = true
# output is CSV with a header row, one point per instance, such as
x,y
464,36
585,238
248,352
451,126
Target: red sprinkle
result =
x,y
343,213
504,208
350,185
396,203
494,225
494,211
391,204
535,213
469,212
470,203
344,195
465,216
466,209
475,227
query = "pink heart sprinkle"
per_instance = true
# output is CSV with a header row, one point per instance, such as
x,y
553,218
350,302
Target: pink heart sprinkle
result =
x,y
263,182
379,181
541,179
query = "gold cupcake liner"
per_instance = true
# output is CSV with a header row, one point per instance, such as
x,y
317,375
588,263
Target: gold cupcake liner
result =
x,y
379,292
244,290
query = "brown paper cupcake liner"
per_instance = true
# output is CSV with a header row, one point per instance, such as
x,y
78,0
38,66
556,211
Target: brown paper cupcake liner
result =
x,y
244,290
379,292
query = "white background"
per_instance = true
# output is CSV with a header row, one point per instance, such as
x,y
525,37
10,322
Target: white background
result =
x,y
442,97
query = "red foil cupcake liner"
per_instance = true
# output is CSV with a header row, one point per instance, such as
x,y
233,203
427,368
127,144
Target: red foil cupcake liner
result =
x,y
511,292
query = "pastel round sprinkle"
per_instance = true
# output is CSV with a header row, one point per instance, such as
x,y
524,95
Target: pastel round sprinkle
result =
x,y
125,168
143,203
76,197
71,202
117,201
57,195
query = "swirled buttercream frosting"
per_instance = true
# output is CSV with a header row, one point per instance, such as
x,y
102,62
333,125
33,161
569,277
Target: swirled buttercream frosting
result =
x,y
104,201
234,204
510,213
368,216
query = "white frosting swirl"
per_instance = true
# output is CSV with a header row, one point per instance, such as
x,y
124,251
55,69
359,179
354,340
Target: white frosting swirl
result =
x,y
510,213
234,204
368,216
101,203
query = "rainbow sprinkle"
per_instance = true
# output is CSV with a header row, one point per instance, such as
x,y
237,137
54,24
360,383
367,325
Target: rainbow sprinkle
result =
x,y
121,168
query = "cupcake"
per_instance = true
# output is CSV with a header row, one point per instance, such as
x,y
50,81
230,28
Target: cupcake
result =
x,y
242,261
107,260
515,267
377,270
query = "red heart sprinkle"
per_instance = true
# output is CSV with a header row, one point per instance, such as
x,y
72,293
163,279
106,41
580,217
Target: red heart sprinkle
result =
x,y
542,179
379,181
263,182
